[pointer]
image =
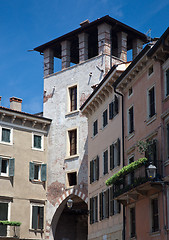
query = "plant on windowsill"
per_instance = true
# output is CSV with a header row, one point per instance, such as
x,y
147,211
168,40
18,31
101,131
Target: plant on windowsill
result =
x,y
126,170
10,223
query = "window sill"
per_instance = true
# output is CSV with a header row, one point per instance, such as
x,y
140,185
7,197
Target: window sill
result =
x,y
72,114
71,157
5,177
36,230
37,149
157,233
130,135
150,120
166,98
6,143
94,136
37,181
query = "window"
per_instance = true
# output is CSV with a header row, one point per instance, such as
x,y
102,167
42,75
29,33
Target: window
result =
x,y
113,108
168,140
104,204
72,142
150,70
94,170
37,217
105,119
151,153
105,162
131,120
131,175
115,154
37,172
37,142
151,102
93,209
167,82
6,135
3,217
132,222
72,178
130,92
95,128
73,98
155,217
115,206
7,167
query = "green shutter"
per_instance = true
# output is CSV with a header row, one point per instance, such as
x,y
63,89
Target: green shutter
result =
x,y
111,110
31,171
91,210
43,172
6,135
118,153
91,172
11,167
41,214
97,168
0,164
101,205
96,208
107,203
116,103
34,217
111,157
111,201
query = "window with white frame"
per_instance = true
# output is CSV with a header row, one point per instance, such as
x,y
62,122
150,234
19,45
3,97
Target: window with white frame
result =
x,y
105,118
7,166
115,154
113,108
151,102
37,171
93,209
4,216
72,142
105,162
154,215
94,169
95,128
6,135
37,141
72,98
37,212
131,120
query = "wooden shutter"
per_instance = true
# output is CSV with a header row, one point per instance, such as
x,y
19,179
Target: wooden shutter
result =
x,y
41,214
118,152
105,156
168,140
101,205
116,105
111,201
111,156
107,203
167,82
91,171
0,164
91,210
34,217
111,110
43,172
31,171
11,167
97,168
96,208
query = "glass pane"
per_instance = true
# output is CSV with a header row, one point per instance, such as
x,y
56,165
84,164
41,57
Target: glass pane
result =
x,y
36,172
5,135
37,141
4,167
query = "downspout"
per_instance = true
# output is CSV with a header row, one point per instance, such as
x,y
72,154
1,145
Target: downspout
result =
x,y
124,217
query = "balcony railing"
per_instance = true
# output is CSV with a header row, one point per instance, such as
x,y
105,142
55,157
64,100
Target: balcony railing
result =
x,y
9,231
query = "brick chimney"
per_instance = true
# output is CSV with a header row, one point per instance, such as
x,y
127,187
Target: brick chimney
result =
x,y
16,103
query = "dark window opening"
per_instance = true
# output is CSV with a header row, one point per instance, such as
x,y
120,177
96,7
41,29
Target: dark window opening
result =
x,y
151,102
132,222
73,142
95,128
150,70
130,91
93,44
131,119
72,178
73,98
167,82
105,118
155,218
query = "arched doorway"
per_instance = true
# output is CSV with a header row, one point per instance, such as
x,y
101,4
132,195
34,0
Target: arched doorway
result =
x,y
73,223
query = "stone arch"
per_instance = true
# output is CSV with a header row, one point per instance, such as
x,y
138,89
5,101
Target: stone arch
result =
x,y
59,207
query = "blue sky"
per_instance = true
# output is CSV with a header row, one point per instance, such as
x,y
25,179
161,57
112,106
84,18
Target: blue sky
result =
x,y
26,24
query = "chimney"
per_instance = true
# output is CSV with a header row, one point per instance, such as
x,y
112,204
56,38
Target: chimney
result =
x,y
84,23
16,103
0,100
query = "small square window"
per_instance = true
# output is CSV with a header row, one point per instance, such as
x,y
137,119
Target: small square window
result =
x,y
72,178
130,92
105,118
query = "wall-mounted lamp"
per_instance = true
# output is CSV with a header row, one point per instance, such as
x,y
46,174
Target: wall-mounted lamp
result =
x,y
69,203
151,171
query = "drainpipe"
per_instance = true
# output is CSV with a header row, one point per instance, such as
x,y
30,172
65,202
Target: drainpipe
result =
x,y
124,217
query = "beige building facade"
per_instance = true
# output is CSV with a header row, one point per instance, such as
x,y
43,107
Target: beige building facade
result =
x,y
23,172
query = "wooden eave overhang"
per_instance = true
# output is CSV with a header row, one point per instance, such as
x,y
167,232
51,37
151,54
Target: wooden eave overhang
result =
x,y
90,28
14,114
102,91
133,70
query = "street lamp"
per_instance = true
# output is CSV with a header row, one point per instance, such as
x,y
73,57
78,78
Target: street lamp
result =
x,y
69,203
151,171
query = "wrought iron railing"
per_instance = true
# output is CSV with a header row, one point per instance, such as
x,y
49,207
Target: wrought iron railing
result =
x,y
9,231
